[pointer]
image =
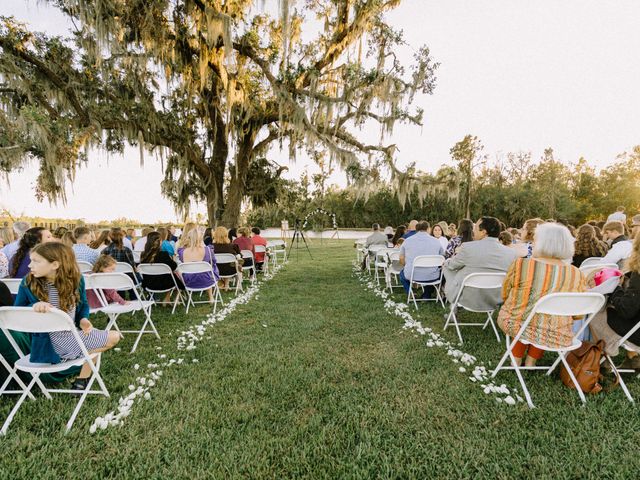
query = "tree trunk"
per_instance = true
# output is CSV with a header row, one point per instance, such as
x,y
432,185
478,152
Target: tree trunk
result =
x,y
237,186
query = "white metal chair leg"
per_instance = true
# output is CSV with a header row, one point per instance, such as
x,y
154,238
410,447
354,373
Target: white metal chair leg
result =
x,y
623,385
525,390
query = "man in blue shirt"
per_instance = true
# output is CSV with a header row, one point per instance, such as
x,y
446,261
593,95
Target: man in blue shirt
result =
x,y
421,243
411,229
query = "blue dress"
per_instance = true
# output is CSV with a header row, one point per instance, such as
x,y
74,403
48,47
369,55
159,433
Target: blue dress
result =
x,y
204,279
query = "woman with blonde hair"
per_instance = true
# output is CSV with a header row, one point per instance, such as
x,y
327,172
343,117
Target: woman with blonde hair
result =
x,y
54,281
6,236
194,250
185,231
222,244
528,233
622,312
528,280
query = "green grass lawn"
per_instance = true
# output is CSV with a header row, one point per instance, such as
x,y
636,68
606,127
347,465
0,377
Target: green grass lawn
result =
x,y
331,387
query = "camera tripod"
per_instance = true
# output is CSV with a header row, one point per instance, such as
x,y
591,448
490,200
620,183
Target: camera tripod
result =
x,y
297,235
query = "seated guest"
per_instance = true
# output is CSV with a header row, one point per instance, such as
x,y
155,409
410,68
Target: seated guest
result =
x,y
69,239
258,240
55,282
19,229
222,244
81,248
116,248
438,234
587,245
620,247
59,232
153,254
232,234
530,279
194,250
208,236
101,242
453,231
411,229
376,237
505,238
166,245
104,264
388,231
19,263
484,254
181,243
421,243
400,231
529,230
141,242
622,312
515,234
129,236
172,234
6,236
244,243
618,216
465,234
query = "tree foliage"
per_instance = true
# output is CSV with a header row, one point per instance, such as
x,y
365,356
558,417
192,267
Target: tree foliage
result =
x,y
209,85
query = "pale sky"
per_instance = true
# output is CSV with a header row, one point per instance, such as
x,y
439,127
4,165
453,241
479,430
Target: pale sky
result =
x,y
520,75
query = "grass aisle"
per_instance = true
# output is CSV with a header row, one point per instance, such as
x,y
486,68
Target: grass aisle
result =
x,y
314,379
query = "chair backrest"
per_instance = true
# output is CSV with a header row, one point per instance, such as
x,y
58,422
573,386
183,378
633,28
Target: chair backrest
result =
x,y
195,267
111,281
423,261
222,258
277,244
568,304
84,266
394,255
123,267
136,256
246,254
596,267
154,269
12,283
260,249
590,261
489,280
24,319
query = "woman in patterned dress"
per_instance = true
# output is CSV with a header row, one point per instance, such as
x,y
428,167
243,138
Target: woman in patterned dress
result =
x,y
549,270
54,281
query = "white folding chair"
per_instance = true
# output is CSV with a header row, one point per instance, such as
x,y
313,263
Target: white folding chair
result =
x,y
559,304
157,269
265,262
190,268
229,259
13,284
589,269
120,281
422,262
24,319
360,249
370,254
393,270
381,263
83,266
251,269
587,262
475,281
277,247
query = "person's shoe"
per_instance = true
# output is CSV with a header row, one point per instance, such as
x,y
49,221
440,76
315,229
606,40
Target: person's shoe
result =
x,y
631,363
79,385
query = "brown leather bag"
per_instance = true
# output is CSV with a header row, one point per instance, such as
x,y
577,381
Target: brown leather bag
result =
x,y
585,365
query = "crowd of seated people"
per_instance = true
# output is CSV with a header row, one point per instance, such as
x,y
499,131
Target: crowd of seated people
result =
x,y
539,258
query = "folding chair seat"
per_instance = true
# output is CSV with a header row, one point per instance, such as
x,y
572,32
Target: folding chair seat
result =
x,y
120,281
420,263
24,319
265,262
370,254
83,266
229,259
13,284
157,269
475,281
381,262
251,269
561,304
199,267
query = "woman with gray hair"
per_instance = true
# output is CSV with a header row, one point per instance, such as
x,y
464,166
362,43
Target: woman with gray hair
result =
x,y
549,270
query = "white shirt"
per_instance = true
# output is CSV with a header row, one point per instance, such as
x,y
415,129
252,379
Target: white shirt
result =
x,y
140,244
619,252
127,243
617,217
443,241
10,249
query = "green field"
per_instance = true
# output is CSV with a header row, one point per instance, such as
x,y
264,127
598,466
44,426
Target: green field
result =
x,y
313,378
